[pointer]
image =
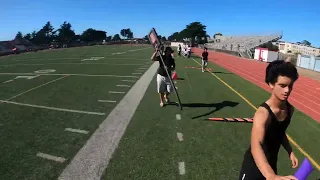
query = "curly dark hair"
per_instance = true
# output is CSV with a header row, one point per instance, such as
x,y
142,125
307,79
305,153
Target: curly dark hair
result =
x,y
280,68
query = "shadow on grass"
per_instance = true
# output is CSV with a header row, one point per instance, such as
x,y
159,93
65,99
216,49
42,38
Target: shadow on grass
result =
x,y
216,106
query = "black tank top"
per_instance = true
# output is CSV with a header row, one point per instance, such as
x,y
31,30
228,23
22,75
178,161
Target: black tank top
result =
x,y
274,135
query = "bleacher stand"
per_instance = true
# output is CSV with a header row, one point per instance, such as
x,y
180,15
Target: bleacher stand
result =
x,y
18,46
6,48
243,44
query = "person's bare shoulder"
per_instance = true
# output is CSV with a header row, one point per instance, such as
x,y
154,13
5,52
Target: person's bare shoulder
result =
x,y
261,117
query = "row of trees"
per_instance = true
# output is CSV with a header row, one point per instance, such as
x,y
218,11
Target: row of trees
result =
x,y
194,32
65,34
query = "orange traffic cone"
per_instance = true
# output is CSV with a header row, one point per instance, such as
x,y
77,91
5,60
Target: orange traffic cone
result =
x,y
174,75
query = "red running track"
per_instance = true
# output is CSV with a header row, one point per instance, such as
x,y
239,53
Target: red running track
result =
x,y
305,95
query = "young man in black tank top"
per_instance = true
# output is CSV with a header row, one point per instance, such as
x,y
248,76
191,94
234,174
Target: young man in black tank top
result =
x,y
204,59
269,125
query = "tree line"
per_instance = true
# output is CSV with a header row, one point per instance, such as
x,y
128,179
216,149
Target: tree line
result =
x,y
65,34
194,32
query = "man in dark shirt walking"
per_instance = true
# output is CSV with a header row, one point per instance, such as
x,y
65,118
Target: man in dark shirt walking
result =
x,y
204,59
164,86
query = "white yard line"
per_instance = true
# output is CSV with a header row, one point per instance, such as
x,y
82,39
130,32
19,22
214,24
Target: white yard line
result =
x,y
123,85
88,75
182,168
139,49
91,161
116,92
35,88
51,157
7,81
107,101
77,131
116,53
53,108
124,80
180,136
136,73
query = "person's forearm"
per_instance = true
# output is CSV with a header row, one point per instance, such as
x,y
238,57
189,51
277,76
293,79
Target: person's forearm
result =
x,y
286,145
261,160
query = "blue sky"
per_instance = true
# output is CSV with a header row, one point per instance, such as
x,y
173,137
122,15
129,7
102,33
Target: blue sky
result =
x,y
297,19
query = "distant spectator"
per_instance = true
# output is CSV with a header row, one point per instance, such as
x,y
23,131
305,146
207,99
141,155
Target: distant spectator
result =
x,y
204,59
189,51
179,50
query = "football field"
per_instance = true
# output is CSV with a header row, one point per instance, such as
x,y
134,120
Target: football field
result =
x,y
58,106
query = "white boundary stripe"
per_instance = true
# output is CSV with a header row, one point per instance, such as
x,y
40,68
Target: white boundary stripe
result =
x,y
89,75
142,68
136,73
116,92
77,131
182,168
107,101
53,108
35,88
91,161
123,85
128,80
51,157
180,136
178,116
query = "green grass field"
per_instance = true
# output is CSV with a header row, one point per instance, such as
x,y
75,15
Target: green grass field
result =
x,y
36,112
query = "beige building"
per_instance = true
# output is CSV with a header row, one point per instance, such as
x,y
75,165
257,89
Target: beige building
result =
x,y
292,48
